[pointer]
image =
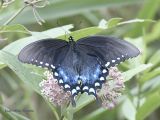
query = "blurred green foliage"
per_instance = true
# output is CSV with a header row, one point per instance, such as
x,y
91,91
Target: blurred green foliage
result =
x,y
19,83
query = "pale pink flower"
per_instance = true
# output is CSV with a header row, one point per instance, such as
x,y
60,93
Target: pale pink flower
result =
x,y
112,89
53,92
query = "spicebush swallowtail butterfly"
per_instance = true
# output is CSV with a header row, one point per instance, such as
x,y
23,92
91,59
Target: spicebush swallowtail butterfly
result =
x,y
79,66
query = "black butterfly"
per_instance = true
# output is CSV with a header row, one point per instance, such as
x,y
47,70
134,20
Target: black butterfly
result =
x,y
80,66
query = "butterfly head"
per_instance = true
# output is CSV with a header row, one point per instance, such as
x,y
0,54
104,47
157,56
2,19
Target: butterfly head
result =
x,y
70,39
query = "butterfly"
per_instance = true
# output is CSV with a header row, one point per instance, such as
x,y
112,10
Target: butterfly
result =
x,y
79,66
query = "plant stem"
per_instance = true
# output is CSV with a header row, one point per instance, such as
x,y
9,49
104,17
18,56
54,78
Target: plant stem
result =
x,y
139,96
15,15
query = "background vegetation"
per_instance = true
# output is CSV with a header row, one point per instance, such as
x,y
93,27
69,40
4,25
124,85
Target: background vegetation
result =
x,y
19,83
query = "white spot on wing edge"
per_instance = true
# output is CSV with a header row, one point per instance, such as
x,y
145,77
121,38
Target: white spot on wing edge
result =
x,y
91,90
101,78
47,64
77,88
107,64
61,81
52,66
104,71
74,91
56,74
66,86
85,88
118,58
41,63
113,61
97,84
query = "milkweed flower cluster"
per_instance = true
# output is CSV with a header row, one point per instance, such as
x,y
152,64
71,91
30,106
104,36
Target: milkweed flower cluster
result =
x,y
112,89
53,92
109,93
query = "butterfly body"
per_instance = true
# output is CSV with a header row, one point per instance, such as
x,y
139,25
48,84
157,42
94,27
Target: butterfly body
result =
x,y
80,66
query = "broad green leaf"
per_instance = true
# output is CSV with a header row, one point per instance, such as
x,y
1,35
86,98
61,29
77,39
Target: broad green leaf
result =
x,y
68,8
24,73
150,75
151,104
128,109
131,73
151,86
14,28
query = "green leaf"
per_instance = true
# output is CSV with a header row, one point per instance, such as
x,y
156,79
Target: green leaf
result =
x,y
14,28
151,104
113,22
128,109
150,75
131,73
83,101
155,59
24,73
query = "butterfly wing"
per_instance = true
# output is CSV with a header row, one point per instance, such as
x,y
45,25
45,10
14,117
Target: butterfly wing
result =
x,y
44,52
109,50
98,53
81,66
91,72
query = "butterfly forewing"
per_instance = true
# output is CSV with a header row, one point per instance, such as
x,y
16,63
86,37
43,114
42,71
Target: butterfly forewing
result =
x,y
42,53
109,50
